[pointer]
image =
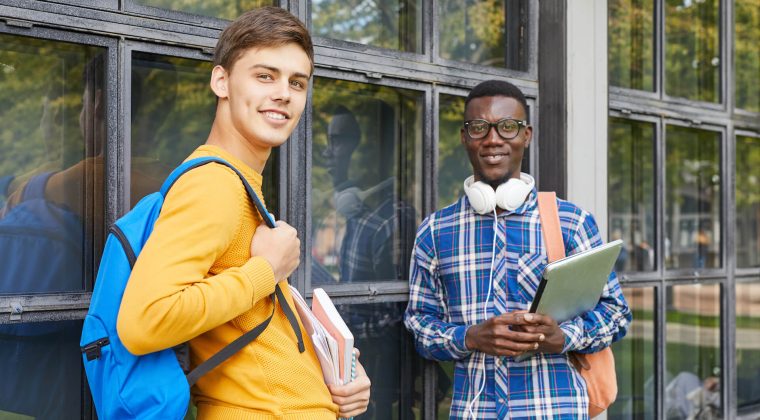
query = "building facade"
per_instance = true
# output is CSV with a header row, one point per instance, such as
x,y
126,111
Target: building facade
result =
x,y
645,112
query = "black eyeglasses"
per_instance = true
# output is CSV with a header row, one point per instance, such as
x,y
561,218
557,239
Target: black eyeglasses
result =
x,y
507,128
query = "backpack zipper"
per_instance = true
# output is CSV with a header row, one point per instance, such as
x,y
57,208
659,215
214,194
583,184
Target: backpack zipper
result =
x,y
119,234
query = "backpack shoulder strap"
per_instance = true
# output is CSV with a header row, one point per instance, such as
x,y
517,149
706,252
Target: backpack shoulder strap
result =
x,y
235,346
194,163
547,211
35,187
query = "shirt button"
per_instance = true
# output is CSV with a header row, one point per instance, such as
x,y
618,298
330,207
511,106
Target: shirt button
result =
x,y
501,401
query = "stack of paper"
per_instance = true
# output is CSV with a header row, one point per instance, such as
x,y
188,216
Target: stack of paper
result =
x,y
333,341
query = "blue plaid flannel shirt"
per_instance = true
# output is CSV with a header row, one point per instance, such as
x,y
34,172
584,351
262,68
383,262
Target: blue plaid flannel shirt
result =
x,y
449,276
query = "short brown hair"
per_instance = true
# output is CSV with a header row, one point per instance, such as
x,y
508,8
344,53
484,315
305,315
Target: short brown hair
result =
x,y
262,27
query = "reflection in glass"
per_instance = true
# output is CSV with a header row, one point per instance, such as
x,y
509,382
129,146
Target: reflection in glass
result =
x,y
52,114
692,201
388,355
223,9
692,352
486,32
747,201
393,24
40,364
631,44
365,179
748,344
747,53
692,49
634,360
631,192
453,164
172,112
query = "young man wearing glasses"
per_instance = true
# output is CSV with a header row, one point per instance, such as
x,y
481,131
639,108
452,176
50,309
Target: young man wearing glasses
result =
x,y
475,268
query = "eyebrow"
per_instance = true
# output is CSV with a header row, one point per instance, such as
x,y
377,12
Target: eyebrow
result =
x,y
277,71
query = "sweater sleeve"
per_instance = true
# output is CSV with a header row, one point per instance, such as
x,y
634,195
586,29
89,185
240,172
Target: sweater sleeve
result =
x,y
171,297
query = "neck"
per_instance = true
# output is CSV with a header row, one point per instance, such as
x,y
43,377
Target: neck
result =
x,y
224,135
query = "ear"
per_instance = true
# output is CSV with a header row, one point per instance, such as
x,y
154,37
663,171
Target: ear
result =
x,y
461,136
219,81
528,135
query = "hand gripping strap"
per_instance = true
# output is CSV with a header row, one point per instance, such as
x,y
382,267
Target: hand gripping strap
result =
x,y
242,341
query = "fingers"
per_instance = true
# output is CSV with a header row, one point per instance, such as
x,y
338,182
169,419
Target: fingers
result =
x,y
352,398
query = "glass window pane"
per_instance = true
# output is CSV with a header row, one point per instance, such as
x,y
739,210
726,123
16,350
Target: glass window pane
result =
x,y
388,356
453,164
631,192
747,201
692,198
692,352
41,367
692,49
223,9
52,136
172,112
631,43
748,345
490,32
444,390
366,181
634,360
393,24
747,54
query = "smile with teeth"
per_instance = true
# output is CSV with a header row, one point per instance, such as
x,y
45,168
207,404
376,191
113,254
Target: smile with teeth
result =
x,y
493,158
275,115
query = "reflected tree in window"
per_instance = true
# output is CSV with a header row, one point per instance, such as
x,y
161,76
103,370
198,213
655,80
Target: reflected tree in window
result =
x,y
223,9
393,24
631,192
747,201
453,164
747,53
692,201
631,43
486,32
692,49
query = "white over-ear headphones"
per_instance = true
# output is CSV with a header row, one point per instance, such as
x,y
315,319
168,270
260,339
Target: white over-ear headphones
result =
x,y
509,195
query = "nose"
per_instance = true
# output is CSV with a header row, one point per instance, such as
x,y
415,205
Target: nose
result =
x,y
282,91
493,137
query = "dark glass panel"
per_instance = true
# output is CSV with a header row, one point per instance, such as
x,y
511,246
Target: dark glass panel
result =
x,y
692,198
631,192
692,49
223,9
366,181
487,32
693,352
393,24
52,136
41,367
634,360
630,40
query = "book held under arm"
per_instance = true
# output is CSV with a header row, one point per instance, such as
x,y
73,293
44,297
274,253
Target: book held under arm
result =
x,y
333,341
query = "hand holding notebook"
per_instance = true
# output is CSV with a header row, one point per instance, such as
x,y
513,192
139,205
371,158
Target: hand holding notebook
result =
x,y
333,341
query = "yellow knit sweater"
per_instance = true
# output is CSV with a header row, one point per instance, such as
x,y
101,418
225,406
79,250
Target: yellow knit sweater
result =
x,y
196,280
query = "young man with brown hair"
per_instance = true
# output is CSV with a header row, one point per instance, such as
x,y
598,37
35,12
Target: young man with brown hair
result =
x,y
206,272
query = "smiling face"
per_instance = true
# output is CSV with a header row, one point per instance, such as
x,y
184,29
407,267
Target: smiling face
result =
x,y
264,94
493,159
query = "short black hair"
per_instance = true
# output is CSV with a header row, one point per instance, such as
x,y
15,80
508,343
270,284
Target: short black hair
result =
x,y
497,88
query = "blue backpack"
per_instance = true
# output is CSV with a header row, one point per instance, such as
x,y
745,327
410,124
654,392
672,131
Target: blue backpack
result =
x,y
153,386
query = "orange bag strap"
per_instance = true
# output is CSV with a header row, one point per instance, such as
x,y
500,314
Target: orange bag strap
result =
x,y
547,211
